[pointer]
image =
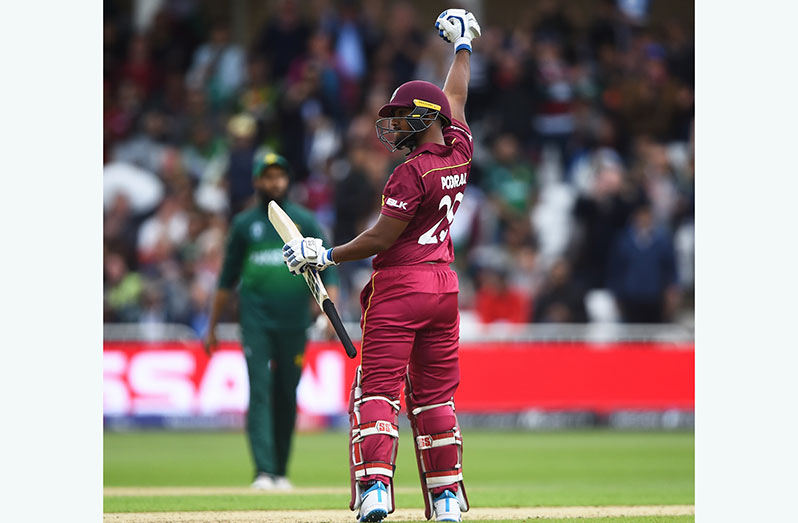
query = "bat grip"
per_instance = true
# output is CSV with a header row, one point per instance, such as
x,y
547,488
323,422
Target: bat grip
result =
x,y
329,309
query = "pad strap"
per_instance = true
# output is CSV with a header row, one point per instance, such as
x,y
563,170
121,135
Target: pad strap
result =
x,y
375,428
394,404
374,467
431,441
439,478
419,410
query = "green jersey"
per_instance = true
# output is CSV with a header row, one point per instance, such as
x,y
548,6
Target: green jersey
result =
x,y
269,295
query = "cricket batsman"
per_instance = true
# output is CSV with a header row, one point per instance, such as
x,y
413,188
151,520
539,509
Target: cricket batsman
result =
x,y
274,312
410,319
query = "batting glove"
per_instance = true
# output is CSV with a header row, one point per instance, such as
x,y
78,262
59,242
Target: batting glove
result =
x,y
459,27
301,253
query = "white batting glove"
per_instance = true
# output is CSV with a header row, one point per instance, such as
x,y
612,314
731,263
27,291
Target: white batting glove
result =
x,y
459,27
301,253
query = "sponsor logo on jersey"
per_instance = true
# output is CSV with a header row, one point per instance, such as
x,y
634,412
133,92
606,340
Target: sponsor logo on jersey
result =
x,y
267,257
397,204
453,181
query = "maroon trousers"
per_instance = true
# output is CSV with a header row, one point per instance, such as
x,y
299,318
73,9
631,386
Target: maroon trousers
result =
x,y
411,327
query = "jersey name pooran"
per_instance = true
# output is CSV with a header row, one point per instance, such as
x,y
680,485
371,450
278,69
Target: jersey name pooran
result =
x,y
426,191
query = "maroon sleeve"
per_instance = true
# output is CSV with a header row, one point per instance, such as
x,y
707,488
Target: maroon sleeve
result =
x,y
458,135
402,194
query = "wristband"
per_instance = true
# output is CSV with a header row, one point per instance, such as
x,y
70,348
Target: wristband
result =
x,y
328,257
462,43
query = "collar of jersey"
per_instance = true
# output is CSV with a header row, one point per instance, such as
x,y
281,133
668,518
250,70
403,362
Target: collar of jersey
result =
x,y
433,148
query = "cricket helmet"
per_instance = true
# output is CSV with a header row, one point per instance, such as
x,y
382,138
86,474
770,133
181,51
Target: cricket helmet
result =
x,y
427,102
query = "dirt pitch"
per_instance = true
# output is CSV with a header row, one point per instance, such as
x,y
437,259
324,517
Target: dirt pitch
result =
x,y
345,516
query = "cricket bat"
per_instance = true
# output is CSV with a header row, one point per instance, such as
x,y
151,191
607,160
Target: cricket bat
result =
x,y
287,230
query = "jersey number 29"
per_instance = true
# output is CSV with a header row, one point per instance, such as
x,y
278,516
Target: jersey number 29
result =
x,y
430,237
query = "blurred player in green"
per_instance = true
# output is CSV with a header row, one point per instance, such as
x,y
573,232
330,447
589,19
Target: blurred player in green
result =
x,y
274,313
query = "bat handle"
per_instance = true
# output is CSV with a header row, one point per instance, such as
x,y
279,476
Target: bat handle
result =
x,y
329,310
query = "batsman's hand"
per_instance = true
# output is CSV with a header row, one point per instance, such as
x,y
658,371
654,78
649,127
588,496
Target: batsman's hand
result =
x,y
301,253
459,27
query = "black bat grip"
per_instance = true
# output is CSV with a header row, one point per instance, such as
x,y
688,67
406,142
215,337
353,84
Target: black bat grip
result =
x,y
329,309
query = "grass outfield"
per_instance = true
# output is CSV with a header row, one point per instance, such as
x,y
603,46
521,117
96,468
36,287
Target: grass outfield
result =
x,y
502,469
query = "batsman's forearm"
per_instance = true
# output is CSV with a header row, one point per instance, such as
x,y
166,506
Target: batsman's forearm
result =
x,y
367,244
219,303
456,85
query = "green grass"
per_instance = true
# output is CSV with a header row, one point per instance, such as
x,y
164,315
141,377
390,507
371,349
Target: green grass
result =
x,y
521,469
632,519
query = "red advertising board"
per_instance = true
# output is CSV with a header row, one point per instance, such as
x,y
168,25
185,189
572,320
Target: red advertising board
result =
x,y
176,378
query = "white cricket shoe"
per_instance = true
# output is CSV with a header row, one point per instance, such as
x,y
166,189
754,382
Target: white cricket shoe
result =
x,y
264,481
447,508
282,483
374,506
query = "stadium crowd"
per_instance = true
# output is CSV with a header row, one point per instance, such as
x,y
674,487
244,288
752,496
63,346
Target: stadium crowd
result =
x,y
580,201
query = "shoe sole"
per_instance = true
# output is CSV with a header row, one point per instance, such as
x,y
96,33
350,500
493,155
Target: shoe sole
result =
x,y
374,516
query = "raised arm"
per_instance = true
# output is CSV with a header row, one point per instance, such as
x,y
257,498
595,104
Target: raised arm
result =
x,y
458,27
456,86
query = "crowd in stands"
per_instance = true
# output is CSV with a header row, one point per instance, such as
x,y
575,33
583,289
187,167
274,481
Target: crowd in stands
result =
x,y
579,206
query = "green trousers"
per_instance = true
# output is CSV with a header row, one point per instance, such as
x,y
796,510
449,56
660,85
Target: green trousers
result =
x,y
274,364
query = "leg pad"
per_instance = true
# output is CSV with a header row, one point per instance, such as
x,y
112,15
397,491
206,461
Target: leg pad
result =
x,y
373,443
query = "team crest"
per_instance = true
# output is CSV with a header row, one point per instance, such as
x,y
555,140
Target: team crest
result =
x,y
256,230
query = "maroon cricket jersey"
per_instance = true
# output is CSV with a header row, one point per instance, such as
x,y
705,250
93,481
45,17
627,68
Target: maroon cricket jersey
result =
x,y
426,190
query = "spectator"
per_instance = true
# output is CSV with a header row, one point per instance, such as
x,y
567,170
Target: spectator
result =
x,y
510,179
403,43
350,43
642,271
159,235
511,105
354,196
139,69
239,164
319,59
200,304
146,148
561,300
496,301
121,114
650,99
600,215
259,100
218,67
120,227
205,156
122,290
553,120
287,33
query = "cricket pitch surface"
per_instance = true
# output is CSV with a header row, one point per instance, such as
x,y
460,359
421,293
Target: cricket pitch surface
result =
x,y
341,516
347,516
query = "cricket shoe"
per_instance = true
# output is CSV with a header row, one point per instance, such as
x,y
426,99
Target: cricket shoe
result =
x,y
264,481
282,483
374,504
447,508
